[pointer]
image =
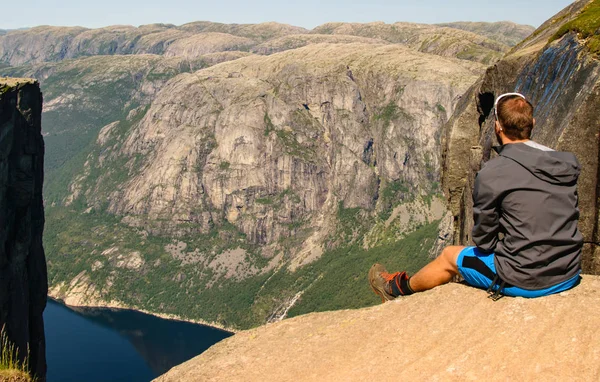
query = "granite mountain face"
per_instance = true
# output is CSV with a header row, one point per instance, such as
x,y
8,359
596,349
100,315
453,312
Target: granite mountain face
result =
x,y
240,174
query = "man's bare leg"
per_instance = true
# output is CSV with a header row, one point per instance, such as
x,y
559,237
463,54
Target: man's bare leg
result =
x,y
439,271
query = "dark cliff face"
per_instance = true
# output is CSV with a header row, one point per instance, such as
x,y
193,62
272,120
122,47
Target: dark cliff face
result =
x,y
562,80
23,280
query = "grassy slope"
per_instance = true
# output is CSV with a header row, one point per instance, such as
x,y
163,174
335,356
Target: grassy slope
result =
x,y
11,369
586,25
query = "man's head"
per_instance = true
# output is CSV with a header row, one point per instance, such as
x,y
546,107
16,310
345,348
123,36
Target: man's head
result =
x,y
514,117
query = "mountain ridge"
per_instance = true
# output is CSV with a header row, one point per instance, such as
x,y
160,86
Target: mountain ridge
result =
x,y
496,31
47,43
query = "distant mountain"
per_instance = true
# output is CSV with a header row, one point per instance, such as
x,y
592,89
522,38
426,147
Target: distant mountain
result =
x,y
5,31
504,32
51,44
441,41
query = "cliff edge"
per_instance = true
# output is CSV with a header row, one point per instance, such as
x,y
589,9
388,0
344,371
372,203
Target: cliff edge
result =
x,y
23,278
450,333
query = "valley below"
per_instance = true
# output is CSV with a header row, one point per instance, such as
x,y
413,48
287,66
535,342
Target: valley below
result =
x,y
241,174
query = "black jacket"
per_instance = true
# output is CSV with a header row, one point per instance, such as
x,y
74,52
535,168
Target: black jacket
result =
x,y
529,195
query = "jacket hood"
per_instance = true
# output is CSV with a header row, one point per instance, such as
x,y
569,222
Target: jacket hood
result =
x,y
556,167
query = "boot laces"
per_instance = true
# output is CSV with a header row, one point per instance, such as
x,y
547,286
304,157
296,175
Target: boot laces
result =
x,y
389,276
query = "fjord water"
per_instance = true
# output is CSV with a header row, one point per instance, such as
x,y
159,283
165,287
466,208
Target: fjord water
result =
x,y
95,344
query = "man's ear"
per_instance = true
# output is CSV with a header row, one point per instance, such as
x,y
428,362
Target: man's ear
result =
x,y
498,127
534,122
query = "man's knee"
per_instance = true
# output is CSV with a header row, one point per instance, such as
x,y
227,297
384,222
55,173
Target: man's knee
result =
x,y
450,256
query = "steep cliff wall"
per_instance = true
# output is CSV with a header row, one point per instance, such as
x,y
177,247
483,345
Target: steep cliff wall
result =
x,y
560,74
264,142
23,281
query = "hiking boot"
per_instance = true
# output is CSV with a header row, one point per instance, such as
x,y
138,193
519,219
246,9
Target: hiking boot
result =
x,y
379,278
387,285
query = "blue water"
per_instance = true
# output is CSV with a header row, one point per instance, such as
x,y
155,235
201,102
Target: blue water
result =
x,y
93,344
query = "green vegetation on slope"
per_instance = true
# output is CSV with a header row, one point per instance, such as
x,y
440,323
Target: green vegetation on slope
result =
x,y
587,25
343,272
82,96
76,242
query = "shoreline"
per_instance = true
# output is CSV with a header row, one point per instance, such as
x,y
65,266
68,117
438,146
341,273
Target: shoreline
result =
x,y
119,306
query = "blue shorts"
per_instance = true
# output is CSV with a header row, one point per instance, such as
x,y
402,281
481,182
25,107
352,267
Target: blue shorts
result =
x,y
472,264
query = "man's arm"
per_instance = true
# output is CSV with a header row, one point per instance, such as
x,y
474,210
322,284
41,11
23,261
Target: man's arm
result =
x,y
485,215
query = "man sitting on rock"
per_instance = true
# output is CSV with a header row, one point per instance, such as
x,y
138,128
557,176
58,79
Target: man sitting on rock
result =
x,y
525,220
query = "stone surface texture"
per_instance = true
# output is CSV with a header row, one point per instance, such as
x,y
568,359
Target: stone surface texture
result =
x,y
23,279
562,80
451,333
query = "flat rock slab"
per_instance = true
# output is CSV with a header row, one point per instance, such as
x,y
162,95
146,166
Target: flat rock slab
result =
x,y
11,82
452,333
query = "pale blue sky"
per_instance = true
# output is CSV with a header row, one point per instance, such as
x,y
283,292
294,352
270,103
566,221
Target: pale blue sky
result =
x,y
307,13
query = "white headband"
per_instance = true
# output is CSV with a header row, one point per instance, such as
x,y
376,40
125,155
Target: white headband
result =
x,y
502,96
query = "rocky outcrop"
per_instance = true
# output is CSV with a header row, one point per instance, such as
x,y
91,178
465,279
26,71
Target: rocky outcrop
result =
x,y
551,338
23,280
562,79
206,43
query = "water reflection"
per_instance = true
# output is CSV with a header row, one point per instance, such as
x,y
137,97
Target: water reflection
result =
x,y
160,344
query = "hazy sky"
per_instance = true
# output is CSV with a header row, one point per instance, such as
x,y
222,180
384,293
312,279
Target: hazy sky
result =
x,y
307,13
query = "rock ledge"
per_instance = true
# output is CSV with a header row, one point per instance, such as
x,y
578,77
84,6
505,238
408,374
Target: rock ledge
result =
x,y
451,333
